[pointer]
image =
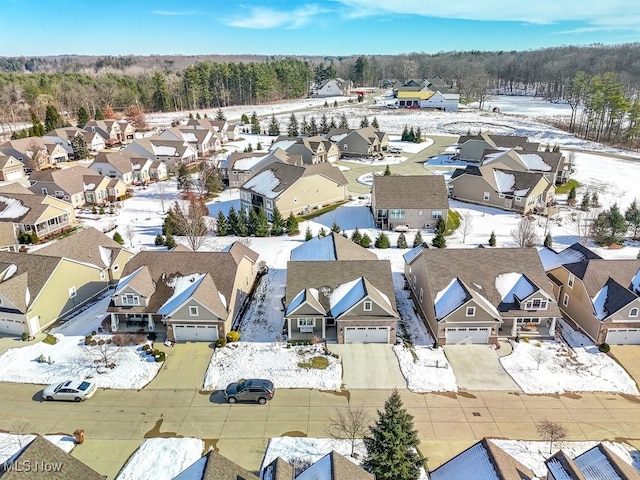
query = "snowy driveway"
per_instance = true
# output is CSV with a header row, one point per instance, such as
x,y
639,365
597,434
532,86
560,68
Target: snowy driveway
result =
x,y
477,368
369,365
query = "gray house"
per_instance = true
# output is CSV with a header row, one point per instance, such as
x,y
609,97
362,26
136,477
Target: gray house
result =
x,y
471,147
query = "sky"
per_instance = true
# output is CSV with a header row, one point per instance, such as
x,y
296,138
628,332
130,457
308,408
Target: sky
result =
x,y
290,27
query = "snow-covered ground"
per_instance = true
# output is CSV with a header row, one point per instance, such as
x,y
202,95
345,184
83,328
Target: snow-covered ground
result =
x,y
12,443
273,361
71,359
428,371
162,458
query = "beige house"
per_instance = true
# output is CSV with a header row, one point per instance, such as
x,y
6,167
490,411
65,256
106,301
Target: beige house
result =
x,y
472,147
293,189
552,165
115,165
172,153
110,130
193,296
346,301
477,295
158,171
600,297
127,130
312,149
11,169
361,142
521,192
34,152
36,290
205,141
43,215
408,201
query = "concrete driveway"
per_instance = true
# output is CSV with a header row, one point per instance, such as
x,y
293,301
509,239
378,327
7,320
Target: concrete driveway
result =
x,y
185,367
370,366
629,357
476,367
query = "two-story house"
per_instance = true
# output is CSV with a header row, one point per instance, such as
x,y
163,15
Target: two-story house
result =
x,y
361,142
552,165
471,148
172,153
115,165
313,150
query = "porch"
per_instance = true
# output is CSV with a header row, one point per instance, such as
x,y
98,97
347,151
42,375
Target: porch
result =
x,y
528,327
137,323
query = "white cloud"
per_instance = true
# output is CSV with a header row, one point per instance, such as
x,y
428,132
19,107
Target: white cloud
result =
x,y
264,17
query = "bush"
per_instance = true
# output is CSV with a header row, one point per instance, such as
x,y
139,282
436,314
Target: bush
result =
x,y
366,241
88,339
50,340
93,343
220,343
156,352
604,347
101,342
159,240
382,241
152,336
318,363
233,336
160,357
25,336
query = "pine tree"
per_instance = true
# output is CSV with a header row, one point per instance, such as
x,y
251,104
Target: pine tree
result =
x,y
335,103
292,225
159,240
277,222
382,241
438,240
222,227
324,124
402,241
571,199
220,115
185,182
190,115
118,238
366,241
332,124
261,223
259,146
586,202
326,104
292,129
52,119
364,122
344,123
233,221
375,124
632,215
79,147
322,232
595,202
548,241
169,241
83,117
387,171
492,239
417,240
392,446
405,134
274,126
335,227
418,137
308,234
243,223
38,129
255,123
244,118
356,236
412,135
98,115
205,115
313,127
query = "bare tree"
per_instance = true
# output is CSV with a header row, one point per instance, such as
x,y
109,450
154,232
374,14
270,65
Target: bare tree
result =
x,y
525,233
192,222
466,225
129,233
538,357
351,424
551,432
161,188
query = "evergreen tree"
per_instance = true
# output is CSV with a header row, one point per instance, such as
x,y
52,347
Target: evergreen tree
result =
x,y
277,222
169,241
571,199
249,148
632,215
417,240
335,103
438,240
335,227
402,241
79,147
190,115
98,114
324,124
492,239
322,232
382,241
387,171
326,104
244,119
243,223
259,146
205,115
308,234
586,202
418,137
548,241
356,236
313,127
366,241
304,127
375,124
255,123
344,123
198,117
332,123
364,122
38,129
233,221
160,97
274,126
220,115
412,135
609,227
595,201
261,223
185,182
292,225
392,446
83,117
222,227
292,129
159,240
405,134
118,238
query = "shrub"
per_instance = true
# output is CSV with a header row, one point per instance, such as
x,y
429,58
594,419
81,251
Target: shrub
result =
x,y
152,336
604,347
233,336
156,352
87,340
221,342
25,336
366,241
93,343
50,340
160,357
101,342
318,363
159,240
382,241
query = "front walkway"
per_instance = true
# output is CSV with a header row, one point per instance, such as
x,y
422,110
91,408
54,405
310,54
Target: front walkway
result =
x,y
369,365
477,367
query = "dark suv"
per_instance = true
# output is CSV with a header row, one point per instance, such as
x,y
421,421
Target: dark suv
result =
x,y
254,390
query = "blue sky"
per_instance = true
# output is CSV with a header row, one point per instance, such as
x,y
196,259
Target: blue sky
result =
x,y
328,27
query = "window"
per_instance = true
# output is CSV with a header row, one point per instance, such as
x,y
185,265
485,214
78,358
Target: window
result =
x,y
130,299
419,213
345,147
72,292
487,195
45,191
60,193
570,281
536,304
193,311
518,199
421,295
397,214
367,306
306,324
565,300
436,214
501,195
471,311
633,312
269,204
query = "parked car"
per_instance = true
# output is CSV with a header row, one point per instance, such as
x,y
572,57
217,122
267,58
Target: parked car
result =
x,y
76,390
252,390
395,150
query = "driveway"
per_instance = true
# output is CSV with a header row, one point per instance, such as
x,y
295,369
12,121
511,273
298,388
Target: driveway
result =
x,y
185,366
369,365
476,367
629,357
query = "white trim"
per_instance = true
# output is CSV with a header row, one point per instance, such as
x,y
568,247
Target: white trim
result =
x,y
470,312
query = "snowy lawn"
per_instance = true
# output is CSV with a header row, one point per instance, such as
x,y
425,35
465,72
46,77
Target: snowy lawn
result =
x,y
264,319
71,359
555,367
427,371
275,362
162,458
11,444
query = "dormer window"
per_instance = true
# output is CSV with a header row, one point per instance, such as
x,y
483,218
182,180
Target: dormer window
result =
x,y
536,304
633,312
130,299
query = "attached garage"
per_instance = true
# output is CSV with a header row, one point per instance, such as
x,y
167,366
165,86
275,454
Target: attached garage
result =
x,y
195,333
623,336
468,335
366,335
10,326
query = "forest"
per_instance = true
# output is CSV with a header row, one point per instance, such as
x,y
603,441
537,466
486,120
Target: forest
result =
x,y
600,82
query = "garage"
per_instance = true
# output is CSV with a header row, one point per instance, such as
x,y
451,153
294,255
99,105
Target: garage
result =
x,y
195,333
366,335
467,335
9,326
623,336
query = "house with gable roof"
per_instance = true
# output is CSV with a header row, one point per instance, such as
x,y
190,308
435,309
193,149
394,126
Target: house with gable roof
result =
x,y
203,140
313,150
115,165
552,165
214,466
34,152
599,462
360,142
238,167
109,129
193,296
471,148
331,247
332,87
172,153
600,297
509,296
11,169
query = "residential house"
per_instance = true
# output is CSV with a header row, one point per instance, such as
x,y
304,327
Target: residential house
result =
x,y
95,142
194,296
552,165
93,247
432,94
331,247
158,171
471,148
233,132
110,130
115,165
141,170
521,192
33,152
42,453
361,142
11,169
333,87
172,153
63,136
600,297
203,140
293,189
127,130
213,466
8,240
238,167
411,201
599,462
313,150
37,290
344,301
29,213
462,303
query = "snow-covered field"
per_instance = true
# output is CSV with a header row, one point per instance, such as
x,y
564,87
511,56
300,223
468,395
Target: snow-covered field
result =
x,y
273,361
162,458
71,359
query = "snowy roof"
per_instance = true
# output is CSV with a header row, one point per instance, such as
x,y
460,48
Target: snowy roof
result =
x,y
264,183
183,288
164,150
599,302
315,249
413,253
594,465
283,144
14,208
511,285
247,163
345,296
337,138
504,181
472,463
552,259
450,299
189,136
533,161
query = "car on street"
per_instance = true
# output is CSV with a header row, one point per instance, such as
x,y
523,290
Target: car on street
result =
x,y
252,390
72,390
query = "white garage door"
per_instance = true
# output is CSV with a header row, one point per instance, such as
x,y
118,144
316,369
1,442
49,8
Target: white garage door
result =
x,y
366,335
198,333
623,336
468,335
9,326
